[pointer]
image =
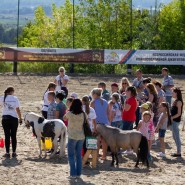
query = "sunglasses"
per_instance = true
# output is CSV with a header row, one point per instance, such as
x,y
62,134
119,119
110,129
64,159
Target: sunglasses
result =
x,y
61,71
124,83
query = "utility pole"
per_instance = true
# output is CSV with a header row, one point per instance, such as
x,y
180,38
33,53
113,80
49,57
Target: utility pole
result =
x,y
129,66
15,61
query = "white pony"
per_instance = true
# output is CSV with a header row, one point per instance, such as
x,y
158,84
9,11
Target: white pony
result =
x,y
47,128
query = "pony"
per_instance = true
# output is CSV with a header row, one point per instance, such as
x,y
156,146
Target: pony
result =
x,y
117,138
47,128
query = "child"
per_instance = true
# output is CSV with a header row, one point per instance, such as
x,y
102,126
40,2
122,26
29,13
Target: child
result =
x,y
51,87
115,113
151,130
51,113
144,124
163,123
61,107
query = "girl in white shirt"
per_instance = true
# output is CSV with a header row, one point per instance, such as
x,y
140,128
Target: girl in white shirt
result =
x,y
51,87
11,112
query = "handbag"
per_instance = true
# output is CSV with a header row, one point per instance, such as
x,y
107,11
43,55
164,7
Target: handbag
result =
x,y
86,127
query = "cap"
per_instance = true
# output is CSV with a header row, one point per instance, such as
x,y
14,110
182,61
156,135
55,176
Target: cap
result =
x,y
114,85
74,95
145,106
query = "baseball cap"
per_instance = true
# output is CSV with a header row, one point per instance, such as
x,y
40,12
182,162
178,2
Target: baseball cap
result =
x,y
114,85
145,106
74,95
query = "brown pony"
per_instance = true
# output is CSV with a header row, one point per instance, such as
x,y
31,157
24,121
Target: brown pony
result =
x,y
117,138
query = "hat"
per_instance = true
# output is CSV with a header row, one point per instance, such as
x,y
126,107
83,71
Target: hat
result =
x,y
145,106
74,95
114,85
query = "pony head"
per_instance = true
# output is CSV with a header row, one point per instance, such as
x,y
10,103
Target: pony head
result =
x,y
30,118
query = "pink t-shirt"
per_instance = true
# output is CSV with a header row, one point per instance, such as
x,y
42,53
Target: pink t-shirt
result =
x,y
144,129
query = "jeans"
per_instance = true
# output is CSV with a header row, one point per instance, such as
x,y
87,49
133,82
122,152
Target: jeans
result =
x,y
169,100
127,125
176,136
117,124
75,156
10,130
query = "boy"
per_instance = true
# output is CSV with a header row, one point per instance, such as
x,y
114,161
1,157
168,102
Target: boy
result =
x,y
51,114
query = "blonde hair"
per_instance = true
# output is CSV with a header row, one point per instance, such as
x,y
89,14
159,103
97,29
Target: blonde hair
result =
x,y
61,69
126,80
97,91
147,113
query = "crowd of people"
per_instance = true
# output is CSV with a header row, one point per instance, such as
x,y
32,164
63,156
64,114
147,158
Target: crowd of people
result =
x,y
144,104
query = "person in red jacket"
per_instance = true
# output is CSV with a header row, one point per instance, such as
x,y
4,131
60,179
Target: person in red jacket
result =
x,y
129,108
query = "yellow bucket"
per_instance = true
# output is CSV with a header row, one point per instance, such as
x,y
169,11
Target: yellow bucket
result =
x,y
48,143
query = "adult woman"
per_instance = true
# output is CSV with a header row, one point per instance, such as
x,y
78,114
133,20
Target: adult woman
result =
x,y
176,113
61,81
100,106
129,108
76,137
10,115
153,98
123,85
51,87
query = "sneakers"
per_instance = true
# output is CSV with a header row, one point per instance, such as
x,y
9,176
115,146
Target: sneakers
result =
x,y
176,155
128,152
7,155
14,155
160,154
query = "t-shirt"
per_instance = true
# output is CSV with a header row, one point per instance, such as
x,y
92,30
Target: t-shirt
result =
x,y
106,95
10,105
130,115
168,81
51,113
138,83
75,126
59,80
101,107
91,116
165,123
117,109
161,93
45,102
61,107
144,129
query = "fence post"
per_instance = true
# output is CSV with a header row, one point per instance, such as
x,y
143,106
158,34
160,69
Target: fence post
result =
x,y
129,69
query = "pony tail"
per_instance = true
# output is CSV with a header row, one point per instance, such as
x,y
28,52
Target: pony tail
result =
x,y
5,95
87,108
168,113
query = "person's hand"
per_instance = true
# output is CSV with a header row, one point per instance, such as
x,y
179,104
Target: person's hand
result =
x,y
156,130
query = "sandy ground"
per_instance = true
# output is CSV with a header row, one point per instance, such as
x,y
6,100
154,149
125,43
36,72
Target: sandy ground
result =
x,y
29,169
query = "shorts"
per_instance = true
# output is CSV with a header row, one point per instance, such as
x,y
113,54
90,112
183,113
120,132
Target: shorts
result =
x,y
162,133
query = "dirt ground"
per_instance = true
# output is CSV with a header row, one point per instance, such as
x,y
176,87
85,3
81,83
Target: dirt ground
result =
x,y
28,169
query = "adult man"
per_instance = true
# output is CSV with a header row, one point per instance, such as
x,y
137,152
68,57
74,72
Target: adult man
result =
x,y
167,85
138,81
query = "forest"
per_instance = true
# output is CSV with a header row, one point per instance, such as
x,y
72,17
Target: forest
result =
x,y
106,25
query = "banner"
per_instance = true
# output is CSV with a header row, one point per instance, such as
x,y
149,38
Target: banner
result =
x,y
145,57
51,55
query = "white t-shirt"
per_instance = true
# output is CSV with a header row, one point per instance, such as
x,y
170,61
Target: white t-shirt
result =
x,y
91,116
117,109
59,80
10,105
45,102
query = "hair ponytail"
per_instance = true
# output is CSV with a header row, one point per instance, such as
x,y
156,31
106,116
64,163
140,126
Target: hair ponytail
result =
x,y
7,92
85,99
166,104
